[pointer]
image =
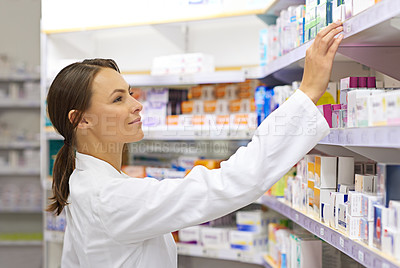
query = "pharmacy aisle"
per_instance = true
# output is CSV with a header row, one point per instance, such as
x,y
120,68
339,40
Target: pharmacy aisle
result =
x,y
200,107
21,217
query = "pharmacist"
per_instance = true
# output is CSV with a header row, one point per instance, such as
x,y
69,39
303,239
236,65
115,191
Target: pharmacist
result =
x,y
114,220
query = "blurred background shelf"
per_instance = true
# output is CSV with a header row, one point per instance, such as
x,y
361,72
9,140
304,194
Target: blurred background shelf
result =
x,y
223,254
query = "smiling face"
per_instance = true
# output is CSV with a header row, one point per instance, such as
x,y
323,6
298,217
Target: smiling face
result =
x,y
113,116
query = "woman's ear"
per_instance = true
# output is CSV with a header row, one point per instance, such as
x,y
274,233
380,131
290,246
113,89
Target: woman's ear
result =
x,y
72,116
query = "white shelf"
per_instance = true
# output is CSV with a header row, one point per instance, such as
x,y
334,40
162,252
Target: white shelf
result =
x,y
21,243
280,63
54,236
376,29
384,137
186,79
17,104
20,145
362,253
21,171
222,254
196,133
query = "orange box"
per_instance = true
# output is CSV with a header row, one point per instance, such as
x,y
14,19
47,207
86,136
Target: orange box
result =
x,y
241,119
187,107
173,120
196,92
234,106
210,106
252,105
208,163
198,120
220,91
222,119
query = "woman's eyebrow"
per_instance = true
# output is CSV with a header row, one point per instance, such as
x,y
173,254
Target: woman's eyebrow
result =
x,y
120,90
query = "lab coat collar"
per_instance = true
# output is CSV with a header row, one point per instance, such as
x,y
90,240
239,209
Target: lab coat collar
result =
x,y
88,162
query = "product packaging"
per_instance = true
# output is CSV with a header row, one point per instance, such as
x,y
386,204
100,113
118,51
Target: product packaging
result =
x,y
388,182
325,172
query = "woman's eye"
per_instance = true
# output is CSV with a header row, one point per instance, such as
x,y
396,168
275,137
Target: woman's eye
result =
x,y
118,99
131,93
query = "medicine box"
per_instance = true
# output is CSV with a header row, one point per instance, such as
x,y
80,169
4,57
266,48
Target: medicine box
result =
x,y
381,219
394,214
251,221
325,213
359,168
393,107
345,188
342,217
190,235
247,241
388,182
310,197
367,231
345,170
355,203
306,251
321,196
354,227
325,171
213,237
364,183
369,168
336,199
377,110
388,241
368,202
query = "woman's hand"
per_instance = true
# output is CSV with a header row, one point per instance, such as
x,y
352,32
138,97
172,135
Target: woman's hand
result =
x,y
319,61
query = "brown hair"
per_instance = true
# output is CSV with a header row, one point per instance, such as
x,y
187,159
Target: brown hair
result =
x,y
70,90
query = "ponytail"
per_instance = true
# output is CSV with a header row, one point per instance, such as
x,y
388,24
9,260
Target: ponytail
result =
x,y
70,90
64,165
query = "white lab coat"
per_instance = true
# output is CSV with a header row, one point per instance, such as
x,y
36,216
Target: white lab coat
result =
x,y
114,220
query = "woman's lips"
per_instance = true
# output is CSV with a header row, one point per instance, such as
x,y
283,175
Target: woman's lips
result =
x,y
137,120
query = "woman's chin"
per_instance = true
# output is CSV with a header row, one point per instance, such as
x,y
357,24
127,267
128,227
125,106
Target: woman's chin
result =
x,y
137,137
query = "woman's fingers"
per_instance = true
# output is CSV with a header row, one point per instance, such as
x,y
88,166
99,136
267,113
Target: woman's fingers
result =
x,y
321,34
327,41
329,28
334,47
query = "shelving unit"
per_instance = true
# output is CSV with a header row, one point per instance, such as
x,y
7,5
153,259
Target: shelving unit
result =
x,y
20,117
362,253
371,38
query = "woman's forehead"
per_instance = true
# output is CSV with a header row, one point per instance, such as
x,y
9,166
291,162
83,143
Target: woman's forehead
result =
x,y
107,80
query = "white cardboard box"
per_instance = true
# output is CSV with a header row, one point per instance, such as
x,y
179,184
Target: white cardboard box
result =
x,y
345,170
190,235
325,171
364,183
215,237
355,204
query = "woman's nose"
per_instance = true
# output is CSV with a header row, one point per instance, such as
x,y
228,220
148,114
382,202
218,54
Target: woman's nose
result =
x,y
136,106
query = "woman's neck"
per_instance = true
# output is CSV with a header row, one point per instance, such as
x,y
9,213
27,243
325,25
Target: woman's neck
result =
x,y
111,152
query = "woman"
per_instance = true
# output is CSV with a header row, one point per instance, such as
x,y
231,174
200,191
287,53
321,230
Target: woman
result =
x,y
117,221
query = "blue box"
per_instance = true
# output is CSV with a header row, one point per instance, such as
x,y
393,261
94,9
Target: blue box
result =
x,y
388,182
